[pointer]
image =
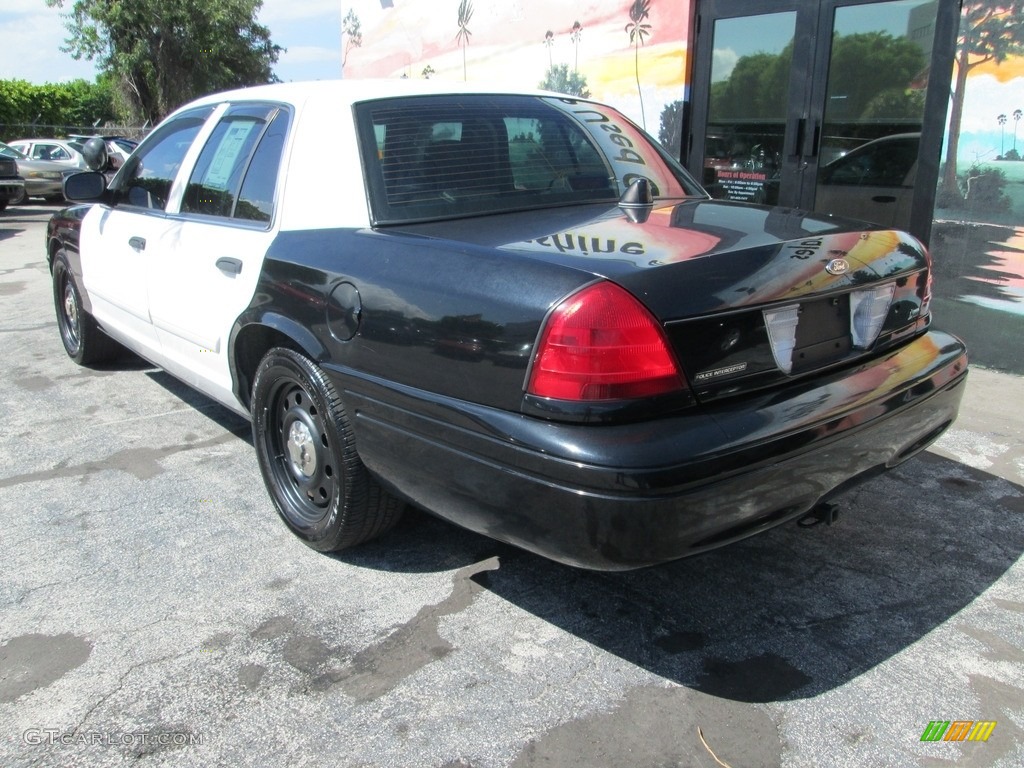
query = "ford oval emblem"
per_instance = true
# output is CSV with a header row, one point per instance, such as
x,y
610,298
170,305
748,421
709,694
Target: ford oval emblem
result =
x,y
837,267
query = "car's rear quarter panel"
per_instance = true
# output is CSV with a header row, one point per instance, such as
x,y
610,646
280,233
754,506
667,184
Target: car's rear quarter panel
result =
x,y
450,320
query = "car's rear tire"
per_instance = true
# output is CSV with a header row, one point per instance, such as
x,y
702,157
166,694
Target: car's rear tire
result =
x,y
306,451
83,340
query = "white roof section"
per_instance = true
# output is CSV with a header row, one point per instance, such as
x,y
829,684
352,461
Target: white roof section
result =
x,y
353,91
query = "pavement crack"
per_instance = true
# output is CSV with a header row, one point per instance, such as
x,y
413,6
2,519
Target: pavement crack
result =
x,y
120,684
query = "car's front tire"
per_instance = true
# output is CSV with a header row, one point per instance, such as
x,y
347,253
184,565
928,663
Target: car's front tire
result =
x,y
306,451
83,340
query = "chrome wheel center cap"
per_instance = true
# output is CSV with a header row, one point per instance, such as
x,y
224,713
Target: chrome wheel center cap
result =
x,y
71,308
301,450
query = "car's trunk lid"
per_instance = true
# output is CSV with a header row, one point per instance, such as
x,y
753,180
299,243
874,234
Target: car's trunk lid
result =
x,y
749,296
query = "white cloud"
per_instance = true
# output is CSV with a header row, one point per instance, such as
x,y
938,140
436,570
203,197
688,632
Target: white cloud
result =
x,y
724,62
32,42
290,10
987,98
307,54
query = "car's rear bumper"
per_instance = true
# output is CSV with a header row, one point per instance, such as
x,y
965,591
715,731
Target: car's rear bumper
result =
x,y
625,496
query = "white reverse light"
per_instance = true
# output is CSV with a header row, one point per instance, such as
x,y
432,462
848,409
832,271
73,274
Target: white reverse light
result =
x,y
781,323
868,310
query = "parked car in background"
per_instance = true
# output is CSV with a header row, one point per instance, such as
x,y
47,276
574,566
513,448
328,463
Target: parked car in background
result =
x,y
513,310
874,182
42,178
118,147
55,150
12,186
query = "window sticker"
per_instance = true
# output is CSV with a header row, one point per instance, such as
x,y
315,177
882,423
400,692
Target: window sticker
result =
x,y
225,159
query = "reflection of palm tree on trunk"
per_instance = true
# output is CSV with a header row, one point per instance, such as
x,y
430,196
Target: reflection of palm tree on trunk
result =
x,y
1002,132
465,16
549,42
638,11
1017,114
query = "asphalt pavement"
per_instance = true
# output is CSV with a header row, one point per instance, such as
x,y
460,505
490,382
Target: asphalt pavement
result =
x,y
154,609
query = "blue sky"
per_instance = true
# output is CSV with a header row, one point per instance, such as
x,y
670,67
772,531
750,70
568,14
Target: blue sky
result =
x,y
33,33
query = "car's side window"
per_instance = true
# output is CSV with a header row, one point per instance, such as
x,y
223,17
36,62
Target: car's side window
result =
x,y
50,152
883,166
146,181
256,200
216,185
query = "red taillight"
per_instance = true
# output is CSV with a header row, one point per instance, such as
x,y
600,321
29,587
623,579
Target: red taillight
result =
x,y
603,344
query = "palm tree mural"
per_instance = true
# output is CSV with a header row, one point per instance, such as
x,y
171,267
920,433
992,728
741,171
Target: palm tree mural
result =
x,y
1002,132
638,11
465,16
549,42
1017,115
577,33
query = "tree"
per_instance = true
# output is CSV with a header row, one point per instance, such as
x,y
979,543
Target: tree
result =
x,y
990,30
77,104
638,11
465,16
575,35
1001,119
162,53
560,80
353,31
549,42
670,131
1017,114
427,72
871,70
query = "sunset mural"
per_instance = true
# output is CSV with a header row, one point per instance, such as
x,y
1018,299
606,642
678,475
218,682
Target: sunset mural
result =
x,y
507,47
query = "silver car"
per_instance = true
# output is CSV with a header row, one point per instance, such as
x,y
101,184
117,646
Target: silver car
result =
x,y
42,178
54,150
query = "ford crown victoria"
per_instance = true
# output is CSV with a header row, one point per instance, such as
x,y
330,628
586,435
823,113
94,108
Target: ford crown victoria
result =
x,y
513,310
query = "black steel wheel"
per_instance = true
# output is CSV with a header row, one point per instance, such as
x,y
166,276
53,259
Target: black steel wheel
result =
x,y
83,340
307,454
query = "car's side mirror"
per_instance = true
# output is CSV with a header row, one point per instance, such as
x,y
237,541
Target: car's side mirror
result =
x,y
95,153
86,187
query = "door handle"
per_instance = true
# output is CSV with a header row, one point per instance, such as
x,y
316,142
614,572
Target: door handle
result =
x,y
138,243
883,199
813,138
229,265
796,129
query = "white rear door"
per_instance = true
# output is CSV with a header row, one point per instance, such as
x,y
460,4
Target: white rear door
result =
x,y
206,275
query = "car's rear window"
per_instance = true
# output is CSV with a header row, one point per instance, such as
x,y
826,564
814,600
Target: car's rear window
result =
x,y
436,157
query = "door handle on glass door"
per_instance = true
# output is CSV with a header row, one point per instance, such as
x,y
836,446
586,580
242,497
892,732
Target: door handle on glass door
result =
x,y
138,243
229,265
883,199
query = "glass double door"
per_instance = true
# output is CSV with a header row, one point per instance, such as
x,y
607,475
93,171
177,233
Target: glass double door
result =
x,y
831,105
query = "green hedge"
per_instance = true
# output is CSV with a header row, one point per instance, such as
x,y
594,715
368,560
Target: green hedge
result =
x,y
75,103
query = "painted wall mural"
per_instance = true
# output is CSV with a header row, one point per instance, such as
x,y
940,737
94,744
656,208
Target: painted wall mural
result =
x,y
978,236
630,54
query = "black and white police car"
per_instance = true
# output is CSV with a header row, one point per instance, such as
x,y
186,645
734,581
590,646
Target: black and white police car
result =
x,y
514,310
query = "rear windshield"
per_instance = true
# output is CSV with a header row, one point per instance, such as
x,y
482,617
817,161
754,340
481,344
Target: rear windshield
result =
x,y
437,157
